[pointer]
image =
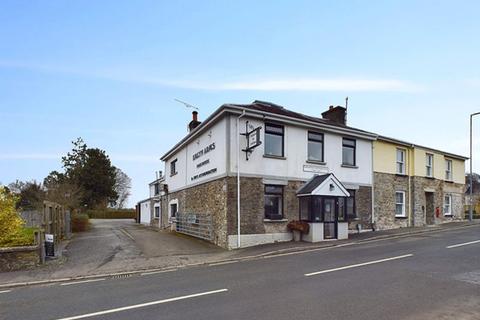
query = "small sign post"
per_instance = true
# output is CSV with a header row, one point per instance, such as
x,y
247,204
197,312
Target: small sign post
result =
x,y
49,245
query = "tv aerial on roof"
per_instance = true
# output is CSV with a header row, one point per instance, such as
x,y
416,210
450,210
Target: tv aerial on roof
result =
x,y
188,105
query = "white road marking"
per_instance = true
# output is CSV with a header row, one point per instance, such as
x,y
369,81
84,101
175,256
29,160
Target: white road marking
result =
x,y
136,306
82,281
463,244
272,254
358,265
155,272
127,234
5,291
222,263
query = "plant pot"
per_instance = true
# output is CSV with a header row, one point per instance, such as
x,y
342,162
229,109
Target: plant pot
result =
x,y
297,235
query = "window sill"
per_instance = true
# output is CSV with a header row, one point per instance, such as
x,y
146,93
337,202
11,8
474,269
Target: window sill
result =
x,y
449,181
349,166
400,217
448,215
401,174
274,220
274,157
173,174
429,177
317,162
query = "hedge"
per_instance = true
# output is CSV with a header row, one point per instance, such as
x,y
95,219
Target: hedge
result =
x,y
80,222
112,214
24,237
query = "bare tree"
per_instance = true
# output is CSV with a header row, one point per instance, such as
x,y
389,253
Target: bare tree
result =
x,y
123,184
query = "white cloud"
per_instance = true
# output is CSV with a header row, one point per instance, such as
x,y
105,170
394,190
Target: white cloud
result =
x,y
256,84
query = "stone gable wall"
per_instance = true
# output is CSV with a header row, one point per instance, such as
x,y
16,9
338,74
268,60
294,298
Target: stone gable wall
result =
x,y
209,198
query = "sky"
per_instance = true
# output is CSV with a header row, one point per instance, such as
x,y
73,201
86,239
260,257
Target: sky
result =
x,y
109,71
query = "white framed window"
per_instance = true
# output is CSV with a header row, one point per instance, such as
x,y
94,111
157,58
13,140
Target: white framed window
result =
x,y
172,209
448,170
401,161
274,140
429,165
400,204
315,146
447,205
173,167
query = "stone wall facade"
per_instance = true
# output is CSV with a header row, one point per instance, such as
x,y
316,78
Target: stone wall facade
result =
x,y
437,189
363,208
252,207
422,198
218,199
209,199
385,187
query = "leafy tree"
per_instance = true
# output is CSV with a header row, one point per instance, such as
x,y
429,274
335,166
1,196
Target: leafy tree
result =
x,y
10,221
97,178
89,179
54,179
74,161
31,194
123,184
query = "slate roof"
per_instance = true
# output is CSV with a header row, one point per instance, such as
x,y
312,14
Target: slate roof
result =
x,y
265,106
313,183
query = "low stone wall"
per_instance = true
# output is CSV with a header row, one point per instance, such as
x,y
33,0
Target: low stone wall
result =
x,y
18,258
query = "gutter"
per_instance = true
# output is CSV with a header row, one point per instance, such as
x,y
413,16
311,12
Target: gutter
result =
x,y
226,108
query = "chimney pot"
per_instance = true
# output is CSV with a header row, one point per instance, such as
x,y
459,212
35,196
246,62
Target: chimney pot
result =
x,y
195,116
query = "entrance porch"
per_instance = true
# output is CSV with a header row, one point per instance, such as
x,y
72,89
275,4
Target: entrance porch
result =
x,y
322,206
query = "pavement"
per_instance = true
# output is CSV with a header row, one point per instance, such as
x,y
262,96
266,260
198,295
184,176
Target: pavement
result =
x,y
433,274
114,247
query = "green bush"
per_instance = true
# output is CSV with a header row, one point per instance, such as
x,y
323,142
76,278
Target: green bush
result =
x,y
80,222
23,237
112,214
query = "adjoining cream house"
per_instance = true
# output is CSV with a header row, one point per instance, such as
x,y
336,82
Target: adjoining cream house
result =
x,y
416,185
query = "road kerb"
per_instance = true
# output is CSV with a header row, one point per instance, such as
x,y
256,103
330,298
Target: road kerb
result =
x,y
269,254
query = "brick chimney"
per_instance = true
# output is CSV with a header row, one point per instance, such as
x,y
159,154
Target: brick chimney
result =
x,y
336,114
194,123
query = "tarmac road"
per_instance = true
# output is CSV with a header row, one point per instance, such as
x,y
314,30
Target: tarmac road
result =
x,y
427,276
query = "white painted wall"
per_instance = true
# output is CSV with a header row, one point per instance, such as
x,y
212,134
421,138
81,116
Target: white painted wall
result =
x,y
187,166
296,156
145,212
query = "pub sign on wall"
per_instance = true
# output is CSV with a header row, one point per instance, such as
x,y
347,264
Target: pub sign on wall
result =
x,y
252,135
